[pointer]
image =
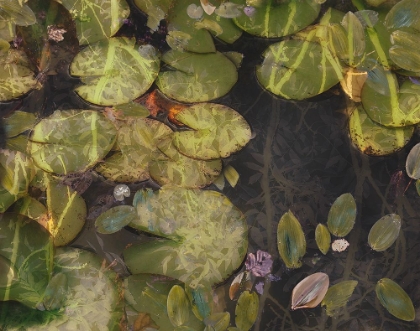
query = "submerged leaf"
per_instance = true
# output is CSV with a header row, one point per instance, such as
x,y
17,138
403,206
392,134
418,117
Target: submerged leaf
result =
x,y
115,219
342,215
394,299
291,241
246,310
338,295
384,232
412,163
309,292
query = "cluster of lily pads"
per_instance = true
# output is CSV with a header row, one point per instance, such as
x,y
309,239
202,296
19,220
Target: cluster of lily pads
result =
x,y
314,290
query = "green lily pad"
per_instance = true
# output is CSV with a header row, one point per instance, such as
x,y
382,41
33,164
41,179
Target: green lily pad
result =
x,y
16,77
16,172
31,208
388,104
138,143
26,253
96,21
194,34
374,139
71,140
196,77
19,122
177,169
181,216
67,211
17,12
405,50
217,131
115,71
147,293
404,14
115,219
273,19
342,215
156,11
298,69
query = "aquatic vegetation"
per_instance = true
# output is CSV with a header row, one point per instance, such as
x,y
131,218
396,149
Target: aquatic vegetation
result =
x,y
322,238
412,165
291,240
384,232
337,296
342,215
246,310
394,299
310,291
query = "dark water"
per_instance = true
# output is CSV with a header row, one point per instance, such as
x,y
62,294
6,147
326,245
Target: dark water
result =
x,y
301,159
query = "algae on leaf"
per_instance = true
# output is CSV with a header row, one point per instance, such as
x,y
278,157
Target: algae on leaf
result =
x,y
115,71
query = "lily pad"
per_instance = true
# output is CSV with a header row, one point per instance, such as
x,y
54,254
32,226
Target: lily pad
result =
x,y
71,140
298,69
196,77
181,216
338,295
217,131
19,122
374,139
194,34
273,19
177,169
26,253
115,71
137,141
156,11
405,50
388,104
115,219
67,212
96,21
16,77
384,232
16,172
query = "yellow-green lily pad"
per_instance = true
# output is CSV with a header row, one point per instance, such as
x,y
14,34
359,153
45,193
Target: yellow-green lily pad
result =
x,y
217,131
115,71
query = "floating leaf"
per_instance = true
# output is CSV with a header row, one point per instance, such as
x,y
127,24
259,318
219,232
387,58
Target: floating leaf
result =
x,y
18,122
246,310
95,22
26,251
182,216
67,211
177,306
71,140
31,208
342,215
149,294
217,131
384,232
196,77
217,322
56,292
412,163
114,71
231,175
404,14
322,238
242,282
115,219
16,77
388,104
310,291
156,11
353,82
278,19
395,299
16,172
177,169
201,300
16,12
405,52
291,241
338,295
298,69
374,139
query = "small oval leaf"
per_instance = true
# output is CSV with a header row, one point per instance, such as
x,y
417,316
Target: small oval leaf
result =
x,y
342,215
322,238
246,310
177,306
395,299
338,295
384,232
291,241
115,219
309,292
412,164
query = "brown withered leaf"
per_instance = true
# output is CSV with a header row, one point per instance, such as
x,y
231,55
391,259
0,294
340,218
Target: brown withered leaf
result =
x,y
242,282
309,292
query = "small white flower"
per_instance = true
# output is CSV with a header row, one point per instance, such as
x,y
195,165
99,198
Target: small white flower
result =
x,y
340,245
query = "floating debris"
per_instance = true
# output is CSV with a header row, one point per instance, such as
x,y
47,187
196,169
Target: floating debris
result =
x,y
340,245
121,191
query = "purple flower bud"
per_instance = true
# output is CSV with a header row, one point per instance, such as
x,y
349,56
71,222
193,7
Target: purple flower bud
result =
x,y
260,266
414,80
249,11
259,287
